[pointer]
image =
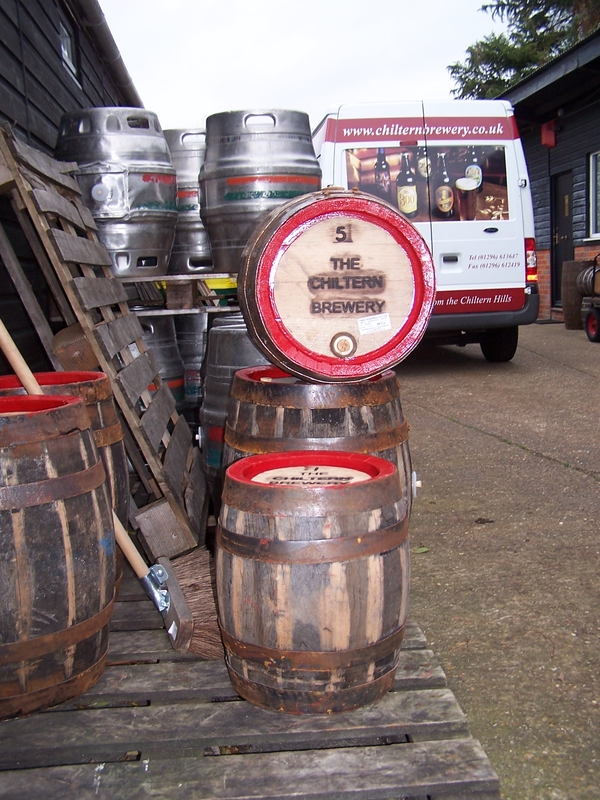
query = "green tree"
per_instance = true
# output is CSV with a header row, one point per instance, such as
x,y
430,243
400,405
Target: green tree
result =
x,y
536,32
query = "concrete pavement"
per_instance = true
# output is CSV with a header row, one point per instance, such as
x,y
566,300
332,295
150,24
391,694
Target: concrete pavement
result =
x,y
508,589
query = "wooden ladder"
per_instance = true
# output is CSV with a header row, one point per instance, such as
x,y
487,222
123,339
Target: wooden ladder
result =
x,y
62,232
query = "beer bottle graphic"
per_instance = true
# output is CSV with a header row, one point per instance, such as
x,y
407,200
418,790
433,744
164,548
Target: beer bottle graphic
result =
x,y
473,168
423,164
423,176
383,181
443,193
406,189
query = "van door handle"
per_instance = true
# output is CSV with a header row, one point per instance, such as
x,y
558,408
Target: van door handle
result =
x,y
490,230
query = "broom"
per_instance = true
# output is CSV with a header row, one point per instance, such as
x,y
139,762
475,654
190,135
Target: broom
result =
x,y
195,575
191,621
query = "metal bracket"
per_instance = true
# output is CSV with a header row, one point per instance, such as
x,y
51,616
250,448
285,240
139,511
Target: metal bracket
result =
x,y
154,584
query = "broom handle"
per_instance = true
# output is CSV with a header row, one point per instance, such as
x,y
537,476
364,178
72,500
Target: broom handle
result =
x,y
29,381
17,362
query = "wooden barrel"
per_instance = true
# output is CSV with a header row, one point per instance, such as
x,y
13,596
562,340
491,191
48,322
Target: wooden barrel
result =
x,y
95,390
570,294
336,286
57,554
312,579
271,411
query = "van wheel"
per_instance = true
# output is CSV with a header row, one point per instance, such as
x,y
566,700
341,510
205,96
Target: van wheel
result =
x,y
592,325
500,344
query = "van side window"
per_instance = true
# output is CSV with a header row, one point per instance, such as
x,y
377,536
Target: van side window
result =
x,y
438,181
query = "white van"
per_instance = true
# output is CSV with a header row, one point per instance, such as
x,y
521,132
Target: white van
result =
x,y
457,170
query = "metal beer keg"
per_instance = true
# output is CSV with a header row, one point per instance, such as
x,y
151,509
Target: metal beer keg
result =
x,y
160,337
191,249
229,349
192,336
127,181
254,161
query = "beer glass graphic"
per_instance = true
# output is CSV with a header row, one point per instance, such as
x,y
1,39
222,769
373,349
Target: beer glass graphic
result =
x,y
466,193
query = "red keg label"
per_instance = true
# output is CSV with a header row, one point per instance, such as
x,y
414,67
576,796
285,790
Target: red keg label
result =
x,y
269,187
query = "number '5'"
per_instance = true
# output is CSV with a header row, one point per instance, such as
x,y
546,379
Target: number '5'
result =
x,y
343,235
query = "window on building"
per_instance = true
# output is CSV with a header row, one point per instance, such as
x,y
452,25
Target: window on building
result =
x,y
68,46
595,195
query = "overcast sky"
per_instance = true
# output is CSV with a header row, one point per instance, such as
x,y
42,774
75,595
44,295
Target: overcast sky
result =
x,y
192,58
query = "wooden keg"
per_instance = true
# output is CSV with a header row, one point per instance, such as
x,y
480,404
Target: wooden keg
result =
x,y
312,579
336,286
95,390
57,554
271,411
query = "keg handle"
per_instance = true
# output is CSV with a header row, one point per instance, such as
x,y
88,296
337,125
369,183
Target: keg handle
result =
x,y
261,119
194,136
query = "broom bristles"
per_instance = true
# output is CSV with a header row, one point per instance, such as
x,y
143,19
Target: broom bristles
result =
x,y
195,575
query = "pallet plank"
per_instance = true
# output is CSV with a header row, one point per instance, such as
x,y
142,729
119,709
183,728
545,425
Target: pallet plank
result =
x,y
459,766
220,728
138,376
48,202
56,171
96,292
208,682
79,250
135,616
160,533
117,334
154,645
176,456
28,298
156,417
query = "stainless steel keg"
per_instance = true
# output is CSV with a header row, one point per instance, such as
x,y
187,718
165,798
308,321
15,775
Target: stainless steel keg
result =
x,y
229,349
192,335
160,337
191,249
127,181
254,161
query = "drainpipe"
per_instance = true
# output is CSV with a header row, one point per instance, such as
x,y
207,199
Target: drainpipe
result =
x,y
94,21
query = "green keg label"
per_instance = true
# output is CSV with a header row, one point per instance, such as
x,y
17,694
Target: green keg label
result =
x,y
269,194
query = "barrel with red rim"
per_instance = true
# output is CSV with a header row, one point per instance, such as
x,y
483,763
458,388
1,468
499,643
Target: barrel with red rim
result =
x,y
271,411
336,286
57,554
96,392
312,579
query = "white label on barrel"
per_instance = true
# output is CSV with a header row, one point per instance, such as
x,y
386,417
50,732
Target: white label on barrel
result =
x,y
368,325
311,476
344,274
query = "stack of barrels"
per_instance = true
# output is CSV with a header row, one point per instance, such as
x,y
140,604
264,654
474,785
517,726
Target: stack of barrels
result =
x,y
312,559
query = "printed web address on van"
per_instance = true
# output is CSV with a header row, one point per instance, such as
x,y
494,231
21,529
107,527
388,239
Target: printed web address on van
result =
x,y
442,130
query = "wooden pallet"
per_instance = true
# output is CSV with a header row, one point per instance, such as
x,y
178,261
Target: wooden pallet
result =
x,y
167,725
63,236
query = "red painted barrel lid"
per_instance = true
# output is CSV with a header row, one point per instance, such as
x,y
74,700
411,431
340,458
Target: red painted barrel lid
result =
x,y
35,403
336,286
53,378
308,469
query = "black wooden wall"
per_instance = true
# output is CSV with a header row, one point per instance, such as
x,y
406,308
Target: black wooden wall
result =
x,y
36,88
577,136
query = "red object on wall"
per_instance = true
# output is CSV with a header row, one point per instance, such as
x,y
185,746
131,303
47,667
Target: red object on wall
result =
x,y
548,134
